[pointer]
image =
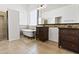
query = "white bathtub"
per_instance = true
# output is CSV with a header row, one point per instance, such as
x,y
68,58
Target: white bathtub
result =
x,y
29,32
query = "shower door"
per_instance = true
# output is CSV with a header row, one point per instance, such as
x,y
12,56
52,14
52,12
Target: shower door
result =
x,y
1,27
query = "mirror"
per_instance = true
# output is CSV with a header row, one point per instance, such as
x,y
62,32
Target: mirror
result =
x,y
59,14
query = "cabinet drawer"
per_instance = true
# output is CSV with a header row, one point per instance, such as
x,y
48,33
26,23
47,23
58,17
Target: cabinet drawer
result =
x,y
70,39
68,33
69,45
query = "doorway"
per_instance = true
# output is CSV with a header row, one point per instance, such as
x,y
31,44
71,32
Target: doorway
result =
x,y
3,26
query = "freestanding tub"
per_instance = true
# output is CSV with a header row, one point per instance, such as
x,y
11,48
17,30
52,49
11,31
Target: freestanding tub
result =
x,y
29,32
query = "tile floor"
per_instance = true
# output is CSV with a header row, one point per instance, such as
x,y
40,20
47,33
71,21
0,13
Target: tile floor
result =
x,y
28,46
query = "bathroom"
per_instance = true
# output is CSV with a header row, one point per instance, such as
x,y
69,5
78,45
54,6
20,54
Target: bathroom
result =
x,y
17,24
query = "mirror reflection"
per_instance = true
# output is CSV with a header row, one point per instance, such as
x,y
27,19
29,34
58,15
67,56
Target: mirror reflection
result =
x,y
58,13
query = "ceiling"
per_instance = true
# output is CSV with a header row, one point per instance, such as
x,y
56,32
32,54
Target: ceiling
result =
x,y
48,8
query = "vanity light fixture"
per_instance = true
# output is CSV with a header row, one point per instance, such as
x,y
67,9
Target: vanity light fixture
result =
x,y
42,6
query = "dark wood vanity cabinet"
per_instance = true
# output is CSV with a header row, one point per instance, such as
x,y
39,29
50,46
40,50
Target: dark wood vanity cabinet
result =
x,y
69,39
42,33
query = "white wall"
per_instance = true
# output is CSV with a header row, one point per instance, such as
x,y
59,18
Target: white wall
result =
x,y
69,14
13,25
33,18
19,7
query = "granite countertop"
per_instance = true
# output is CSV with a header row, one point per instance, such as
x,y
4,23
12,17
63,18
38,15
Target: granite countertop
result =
x,y
68,28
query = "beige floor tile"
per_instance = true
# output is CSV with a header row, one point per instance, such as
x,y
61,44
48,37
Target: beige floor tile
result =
x,y
28,46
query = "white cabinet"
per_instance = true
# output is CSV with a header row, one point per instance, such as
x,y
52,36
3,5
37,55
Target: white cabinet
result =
x,y
53,34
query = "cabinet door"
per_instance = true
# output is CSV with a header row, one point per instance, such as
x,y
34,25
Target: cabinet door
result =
x,y
37,33
70,46
45,34
42,33
53,34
